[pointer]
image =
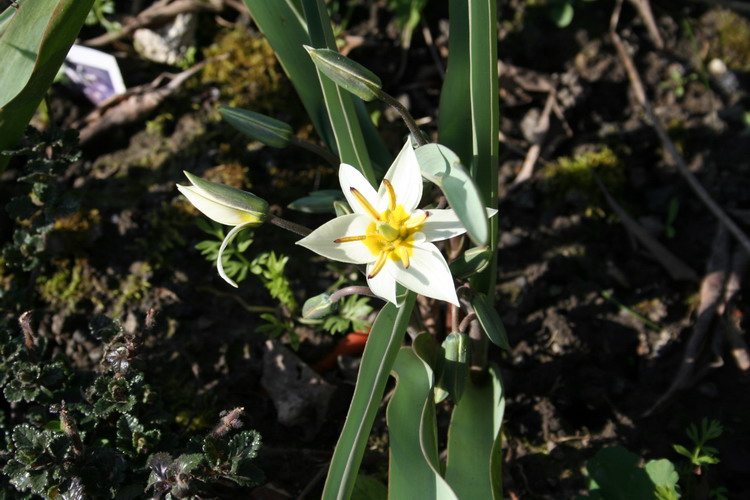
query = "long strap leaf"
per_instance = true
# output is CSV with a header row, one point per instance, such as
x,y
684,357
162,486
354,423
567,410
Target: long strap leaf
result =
x,y
485,117
350,141
380,353
33,46
473,467
414,470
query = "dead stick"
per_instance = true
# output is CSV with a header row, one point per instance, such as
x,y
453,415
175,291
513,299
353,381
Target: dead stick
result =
x,y
711,293
157,13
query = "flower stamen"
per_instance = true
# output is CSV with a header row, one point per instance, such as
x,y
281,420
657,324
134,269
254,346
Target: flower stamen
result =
x,y
415,221
378,265
403,254
391,194
365,204
347,239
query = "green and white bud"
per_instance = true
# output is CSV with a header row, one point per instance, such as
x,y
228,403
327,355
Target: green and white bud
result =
x,y
319,307
269,131
453,363
346,73
225,204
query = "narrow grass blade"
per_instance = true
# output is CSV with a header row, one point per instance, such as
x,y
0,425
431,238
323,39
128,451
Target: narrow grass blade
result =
x,y
380,353
473,467
414,464
34,44
350,140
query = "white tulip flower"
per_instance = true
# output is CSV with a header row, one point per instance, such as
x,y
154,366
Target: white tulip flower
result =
x,y
389,234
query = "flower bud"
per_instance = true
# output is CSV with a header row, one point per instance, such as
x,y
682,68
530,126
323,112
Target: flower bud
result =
x,y
318,307
471,262
346,73
454,365
225,204
269,131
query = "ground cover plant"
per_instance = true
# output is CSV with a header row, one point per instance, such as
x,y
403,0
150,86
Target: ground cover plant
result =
x,y
354,249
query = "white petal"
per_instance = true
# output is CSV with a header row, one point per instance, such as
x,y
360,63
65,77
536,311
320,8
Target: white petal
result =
x,y
406,180
228,239
350,177
444,224
383,285
220,213
441,225
321,240
428,274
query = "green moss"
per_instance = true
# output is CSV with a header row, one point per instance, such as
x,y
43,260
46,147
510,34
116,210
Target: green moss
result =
x,y
247,74
75,280
578,174
729,38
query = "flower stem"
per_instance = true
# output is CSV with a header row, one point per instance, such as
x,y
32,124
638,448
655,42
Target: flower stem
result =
x,y
405,115
314,148
350,290
289,226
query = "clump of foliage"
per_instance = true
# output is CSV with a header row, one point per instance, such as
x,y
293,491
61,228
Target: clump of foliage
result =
x,y
579,174
80,434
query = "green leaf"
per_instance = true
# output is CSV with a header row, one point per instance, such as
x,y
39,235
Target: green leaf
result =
x,y
485,120
474,463
377,360
472,261
617,475
414,464
347,128
269,131
490,321
443,167
287,31
454,364
454,126
663,474
369,488
561,14
346,73
34,44
319,202
243,446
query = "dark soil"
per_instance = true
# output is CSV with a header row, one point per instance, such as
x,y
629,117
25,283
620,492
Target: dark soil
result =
x,y
584,371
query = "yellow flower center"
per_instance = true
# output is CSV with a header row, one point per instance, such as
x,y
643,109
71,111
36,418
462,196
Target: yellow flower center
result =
x,y
391,234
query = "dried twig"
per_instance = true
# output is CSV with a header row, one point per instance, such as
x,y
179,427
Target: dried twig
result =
x,y
160,12
540,133
677,269
135,105
640,95
644,10
711,293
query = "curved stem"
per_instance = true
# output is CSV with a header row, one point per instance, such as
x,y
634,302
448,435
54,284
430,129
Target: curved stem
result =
x,y
314,148
405,115
289,226
350,290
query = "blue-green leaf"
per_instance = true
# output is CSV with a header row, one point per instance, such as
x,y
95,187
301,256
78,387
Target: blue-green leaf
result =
x,y
269,131
414,464
490,320
474,463
380,353
443,167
